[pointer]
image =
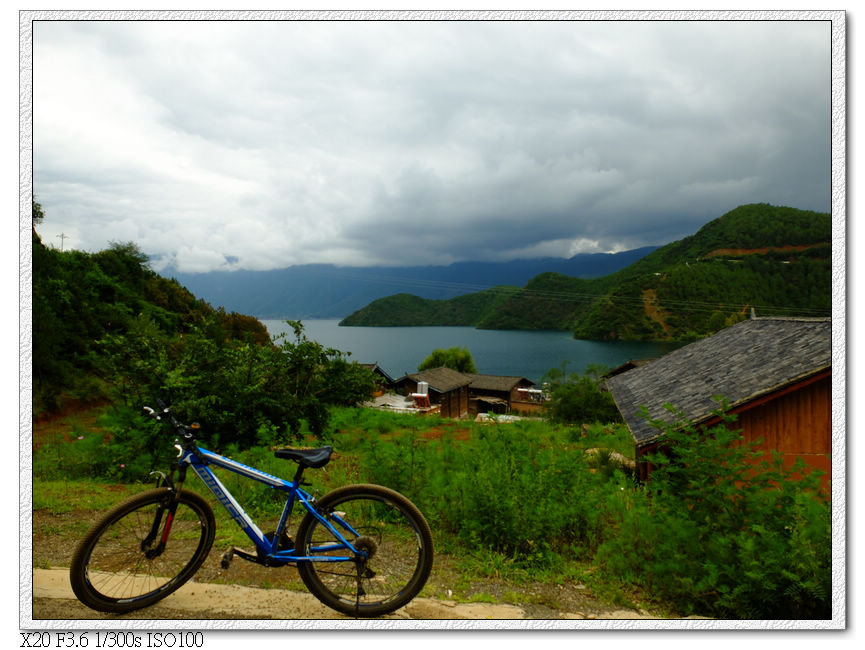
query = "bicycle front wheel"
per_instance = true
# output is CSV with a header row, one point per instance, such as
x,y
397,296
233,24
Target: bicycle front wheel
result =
x,y
395,551
126,561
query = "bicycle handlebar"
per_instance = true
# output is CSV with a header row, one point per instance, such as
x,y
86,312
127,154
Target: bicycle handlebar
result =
x,y
185,431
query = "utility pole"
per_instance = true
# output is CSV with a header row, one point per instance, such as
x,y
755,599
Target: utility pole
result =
x,y
62,237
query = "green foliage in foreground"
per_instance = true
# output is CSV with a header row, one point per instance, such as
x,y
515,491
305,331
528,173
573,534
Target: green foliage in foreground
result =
x,y
708,535
242,394
724,531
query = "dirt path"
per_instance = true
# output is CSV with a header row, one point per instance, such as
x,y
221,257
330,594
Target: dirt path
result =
x,y
53,600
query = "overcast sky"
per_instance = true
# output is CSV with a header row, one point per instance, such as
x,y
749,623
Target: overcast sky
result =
x,y
256,145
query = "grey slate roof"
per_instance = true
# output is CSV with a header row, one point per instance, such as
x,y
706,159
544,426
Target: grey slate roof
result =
x,y
374,367
741,363
441,379
501,383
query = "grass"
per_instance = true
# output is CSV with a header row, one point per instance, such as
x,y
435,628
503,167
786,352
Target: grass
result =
x,y
353,432
62,496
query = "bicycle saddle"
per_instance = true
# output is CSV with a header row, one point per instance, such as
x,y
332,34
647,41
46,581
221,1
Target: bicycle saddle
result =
x,y
312,458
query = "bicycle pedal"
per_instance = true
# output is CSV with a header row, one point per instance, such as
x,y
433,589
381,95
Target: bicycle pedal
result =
x,y
226,558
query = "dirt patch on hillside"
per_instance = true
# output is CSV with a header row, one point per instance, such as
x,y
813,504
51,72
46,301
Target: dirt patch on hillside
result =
x,y
739,252
653,310
58,426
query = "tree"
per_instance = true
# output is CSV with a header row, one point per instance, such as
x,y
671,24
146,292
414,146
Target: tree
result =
x,y
38,214
577,399
457,358
237,390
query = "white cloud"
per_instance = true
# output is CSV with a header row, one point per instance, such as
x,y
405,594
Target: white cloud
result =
x,y
278,143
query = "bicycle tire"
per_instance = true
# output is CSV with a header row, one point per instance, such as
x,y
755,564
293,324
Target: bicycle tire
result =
x,y
390,528
110,571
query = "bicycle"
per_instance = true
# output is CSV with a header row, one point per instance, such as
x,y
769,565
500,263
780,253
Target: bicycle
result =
x,y
363,550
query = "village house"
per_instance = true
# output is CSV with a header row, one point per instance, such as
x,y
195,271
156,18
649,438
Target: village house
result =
x,y
775,374
625,367
455,394
445,388
498,393
384,382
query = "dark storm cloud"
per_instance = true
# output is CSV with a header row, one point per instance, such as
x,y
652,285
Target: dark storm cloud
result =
x,y
277,143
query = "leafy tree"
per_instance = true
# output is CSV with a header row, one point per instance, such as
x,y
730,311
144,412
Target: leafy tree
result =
x,y
240,392
456,358
577,399
38,214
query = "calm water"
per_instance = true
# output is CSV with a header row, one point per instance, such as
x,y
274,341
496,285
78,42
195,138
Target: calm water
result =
x,y
529,354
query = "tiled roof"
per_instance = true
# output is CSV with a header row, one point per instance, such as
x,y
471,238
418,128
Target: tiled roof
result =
x,y
740,363
441,379
496,382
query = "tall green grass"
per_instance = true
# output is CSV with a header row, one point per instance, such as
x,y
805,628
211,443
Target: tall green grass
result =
x,y
707,535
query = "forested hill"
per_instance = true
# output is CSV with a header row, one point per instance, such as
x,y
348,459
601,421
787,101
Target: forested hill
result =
x,y
108,329
82,300
774,259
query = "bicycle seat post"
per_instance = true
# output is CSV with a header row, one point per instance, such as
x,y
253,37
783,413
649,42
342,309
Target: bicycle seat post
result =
x,y
298,475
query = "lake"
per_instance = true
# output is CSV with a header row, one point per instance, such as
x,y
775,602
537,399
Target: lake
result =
x,y
530,354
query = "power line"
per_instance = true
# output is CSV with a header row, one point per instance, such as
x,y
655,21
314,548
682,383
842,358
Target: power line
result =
x,y
582,297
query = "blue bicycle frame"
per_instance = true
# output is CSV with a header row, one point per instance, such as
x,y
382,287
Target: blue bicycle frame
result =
x,y
200,463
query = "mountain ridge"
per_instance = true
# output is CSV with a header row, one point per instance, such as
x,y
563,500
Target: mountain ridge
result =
x,y
329,291
772,258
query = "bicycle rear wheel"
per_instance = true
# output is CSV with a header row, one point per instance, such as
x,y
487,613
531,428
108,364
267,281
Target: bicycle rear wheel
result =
x,y
396,545
119,565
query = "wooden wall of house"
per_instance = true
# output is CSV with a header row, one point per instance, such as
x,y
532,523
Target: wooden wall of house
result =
x,y
455,403
796,423
535,408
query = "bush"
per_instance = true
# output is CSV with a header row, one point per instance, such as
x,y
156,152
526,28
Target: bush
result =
x,y
234,388
577,399
520,490
721,531
126,447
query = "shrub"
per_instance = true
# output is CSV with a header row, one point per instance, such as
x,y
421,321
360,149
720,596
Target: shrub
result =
x,y
575,399
234,388
721,531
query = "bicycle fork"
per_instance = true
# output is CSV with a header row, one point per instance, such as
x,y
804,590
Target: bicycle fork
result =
x,y
168,508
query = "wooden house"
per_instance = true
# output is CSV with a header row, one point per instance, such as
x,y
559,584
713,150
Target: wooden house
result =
x,y
496,393
625,367
384,382
775,374
446,388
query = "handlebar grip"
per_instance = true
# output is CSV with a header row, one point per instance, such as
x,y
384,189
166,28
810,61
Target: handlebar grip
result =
x,y
149,411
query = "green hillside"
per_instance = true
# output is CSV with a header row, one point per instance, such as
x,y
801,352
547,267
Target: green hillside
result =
x,y
406,310
776,260
107,329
